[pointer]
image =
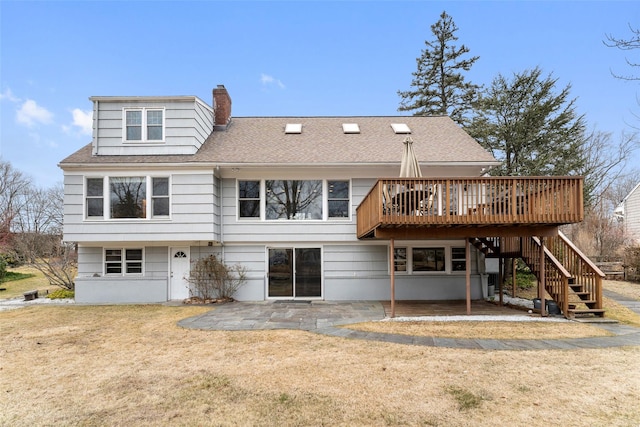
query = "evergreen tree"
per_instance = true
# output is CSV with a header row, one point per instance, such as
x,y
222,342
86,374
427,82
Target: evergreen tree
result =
x,y
530,128
438,86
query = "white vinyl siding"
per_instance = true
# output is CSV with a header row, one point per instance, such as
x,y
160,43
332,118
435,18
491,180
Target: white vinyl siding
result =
x,y
194,213
186,124
632,214
254,230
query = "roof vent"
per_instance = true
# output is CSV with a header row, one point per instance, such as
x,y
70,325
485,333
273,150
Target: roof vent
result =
x,y
293,128
350,128
400,128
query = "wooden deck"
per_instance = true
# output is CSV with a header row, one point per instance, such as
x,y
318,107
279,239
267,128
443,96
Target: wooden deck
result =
x,y
466,207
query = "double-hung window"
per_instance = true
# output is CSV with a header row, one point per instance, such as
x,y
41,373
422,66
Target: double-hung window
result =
x,y
95,198
249,199
338,198
144,124
458,259
159,197
123,261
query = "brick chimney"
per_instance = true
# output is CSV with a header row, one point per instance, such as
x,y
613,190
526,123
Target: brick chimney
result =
x,y
221,108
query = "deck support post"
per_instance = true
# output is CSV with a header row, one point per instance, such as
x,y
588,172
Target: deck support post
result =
x,y
514,263
542,283
468,268
393,276
500,281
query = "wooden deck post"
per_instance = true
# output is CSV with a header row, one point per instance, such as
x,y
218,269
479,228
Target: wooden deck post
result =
x,y
514,262
542,283
468,264
392,257
500,281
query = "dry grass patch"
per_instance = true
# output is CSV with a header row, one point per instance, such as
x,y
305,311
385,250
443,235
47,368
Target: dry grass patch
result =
x,y
485,330
620,313
628,289
131,365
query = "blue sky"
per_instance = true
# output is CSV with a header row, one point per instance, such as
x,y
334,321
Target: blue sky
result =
x,y
283,58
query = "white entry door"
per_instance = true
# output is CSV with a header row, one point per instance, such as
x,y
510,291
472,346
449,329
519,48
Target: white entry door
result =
x,y
179,286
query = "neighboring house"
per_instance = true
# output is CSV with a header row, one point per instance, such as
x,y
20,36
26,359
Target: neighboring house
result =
x,y
299,201
629,211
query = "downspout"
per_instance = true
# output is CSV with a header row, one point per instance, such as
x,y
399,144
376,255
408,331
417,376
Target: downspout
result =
x,y
467,247
219,194
218,181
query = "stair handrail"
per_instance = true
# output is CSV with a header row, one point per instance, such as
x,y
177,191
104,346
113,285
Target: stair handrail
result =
x,y
582,256
565,275
598,275
556,263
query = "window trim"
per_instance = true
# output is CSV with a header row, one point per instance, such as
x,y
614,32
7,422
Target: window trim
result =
x,y
458,259
260,198
144,132
448,247
429,247
106,195
153,197
86,198
123,261
325,201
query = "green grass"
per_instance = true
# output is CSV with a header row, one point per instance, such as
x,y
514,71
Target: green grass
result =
x,y
23,279
13,276
466,399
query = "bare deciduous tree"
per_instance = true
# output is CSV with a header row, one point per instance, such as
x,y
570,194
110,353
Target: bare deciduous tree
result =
x,y
14,188
606,164
626,44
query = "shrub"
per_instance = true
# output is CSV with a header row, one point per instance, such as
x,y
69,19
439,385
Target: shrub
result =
x,y
61,293
3,268
212,279
632,263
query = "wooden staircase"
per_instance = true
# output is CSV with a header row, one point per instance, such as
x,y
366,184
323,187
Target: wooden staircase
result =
x,y
572,280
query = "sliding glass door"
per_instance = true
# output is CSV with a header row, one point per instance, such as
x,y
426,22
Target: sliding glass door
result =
x,y
295,273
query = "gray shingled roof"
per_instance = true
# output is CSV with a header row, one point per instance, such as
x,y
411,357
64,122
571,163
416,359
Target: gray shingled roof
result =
x,y
262,140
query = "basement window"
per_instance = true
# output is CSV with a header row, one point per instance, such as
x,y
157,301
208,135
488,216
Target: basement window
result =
x,y
400,128
293,128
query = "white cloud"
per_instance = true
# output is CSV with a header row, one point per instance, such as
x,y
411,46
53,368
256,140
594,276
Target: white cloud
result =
x,y
268,80
8,95
83,120
31,114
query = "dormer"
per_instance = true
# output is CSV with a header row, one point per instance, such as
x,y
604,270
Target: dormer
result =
x,y
155,125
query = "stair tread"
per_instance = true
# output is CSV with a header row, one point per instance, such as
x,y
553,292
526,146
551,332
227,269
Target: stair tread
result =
x,y
587,310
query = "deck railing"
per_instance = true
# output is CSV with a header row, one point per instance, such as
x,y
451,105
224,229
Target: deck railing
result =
x,y
471,202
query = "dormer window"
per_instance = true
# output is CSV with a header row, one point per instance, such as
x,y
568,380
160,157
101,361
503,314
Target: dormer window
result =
x,y
144,124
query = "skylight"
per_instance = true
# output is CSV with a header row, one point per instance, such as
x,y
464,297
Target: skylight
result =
x,y
400,128
350,128
293,128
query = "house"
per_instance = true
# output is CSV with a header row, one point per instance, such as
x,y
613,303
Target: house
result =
x,y
629,212
313,207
